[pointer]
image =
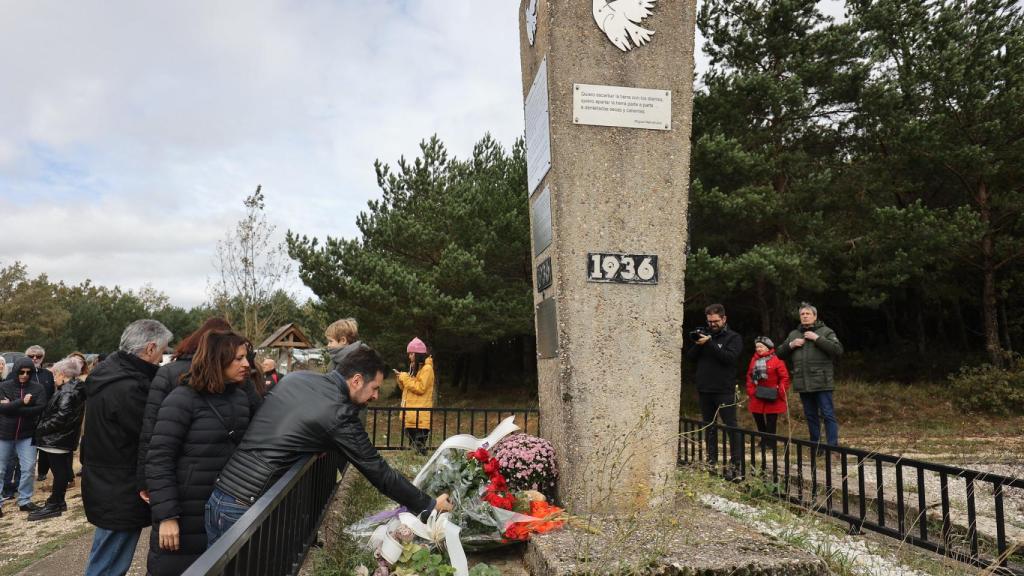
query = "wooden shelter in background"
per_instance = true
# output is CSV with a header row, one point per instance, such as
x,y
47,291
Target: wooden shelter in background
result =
x,y
285,339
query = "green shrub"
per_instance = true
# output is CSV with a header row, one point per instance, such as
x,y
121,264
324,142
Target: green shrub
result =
x,y
990,389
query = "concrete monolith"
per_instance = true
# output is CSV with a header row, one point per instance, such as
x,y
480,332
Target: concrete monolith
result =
x,y
608,142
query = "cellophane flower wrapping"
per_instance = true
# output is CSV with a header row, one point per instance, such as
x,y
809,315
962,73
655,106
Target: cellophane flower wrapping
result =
x,y
474,485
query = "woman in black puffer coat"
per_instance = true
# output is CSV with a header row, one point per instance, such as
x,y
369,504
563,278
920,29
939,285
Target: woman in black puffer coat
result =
x,y
196,431
169,376
58,431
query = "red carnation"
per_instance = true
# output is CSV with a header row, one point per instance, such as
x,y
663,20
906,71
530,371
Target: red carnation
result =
x,y
498,482
491,468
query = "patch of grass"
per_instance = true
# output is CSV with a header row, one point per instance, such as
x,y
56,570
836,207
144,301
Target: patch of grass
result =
x,y
43,551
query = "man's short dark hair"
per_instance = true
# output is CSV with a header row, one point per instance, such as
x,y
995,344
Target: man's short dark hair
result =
x,y
363,360
714,309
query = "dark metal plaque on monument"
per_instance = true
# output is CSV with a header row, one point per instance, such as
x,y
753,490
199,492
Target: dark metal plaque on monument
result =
x,y
544,278
547,329
541,221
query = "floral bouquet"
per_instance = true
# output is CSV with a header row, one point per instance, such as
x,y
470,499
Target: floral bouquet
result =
x,y
487,511
528,463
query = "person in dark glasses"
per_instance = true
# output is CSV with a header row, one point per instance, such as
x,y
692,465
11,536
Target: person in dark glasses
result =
x,y
22,400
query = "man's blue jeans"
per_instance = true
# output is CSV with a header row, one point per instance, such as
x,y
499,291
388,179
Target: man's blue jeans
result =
x,y
221,512
112,552
26,454
816,403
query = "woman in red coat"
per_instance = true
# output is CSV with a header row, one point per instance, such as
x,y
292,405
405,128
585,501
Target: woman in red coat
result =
x,y
767,373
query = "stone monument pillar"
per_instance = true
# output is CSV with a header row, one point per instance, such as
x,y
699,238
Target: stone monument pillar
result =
x,y
608,91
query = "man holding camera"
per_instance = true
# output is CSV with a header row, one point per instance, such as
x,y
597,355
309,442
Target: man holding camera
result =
x,y
716,350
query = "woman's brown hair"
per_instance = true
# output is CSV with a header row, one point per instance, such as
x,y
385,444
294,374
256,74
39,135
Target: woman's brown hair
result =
x,y
189,344
216,351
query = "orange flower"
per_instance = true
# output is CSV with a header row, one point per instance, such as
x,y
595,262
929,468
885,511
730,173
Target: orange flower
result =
x,y
545,515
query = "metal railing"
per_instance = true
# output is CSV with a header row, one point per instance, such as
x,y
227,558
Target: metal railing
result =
x,y
819,478
273,537
386,424
275,534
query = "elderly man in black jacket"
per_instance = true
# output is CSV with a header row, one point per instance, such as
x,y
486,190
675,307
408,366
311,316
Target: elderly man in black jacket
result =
x,y
310,413
44,377
22,400
716,350
111,492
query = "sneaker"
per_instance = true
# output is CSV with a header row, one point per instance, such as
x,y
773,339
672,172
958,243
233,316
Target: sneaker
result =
x,y
30,507
48,511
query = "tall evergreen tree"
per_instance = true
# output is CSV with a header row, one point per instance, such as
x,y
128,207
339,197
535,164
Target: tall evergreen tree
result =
x,y
942,119
767,142
444,254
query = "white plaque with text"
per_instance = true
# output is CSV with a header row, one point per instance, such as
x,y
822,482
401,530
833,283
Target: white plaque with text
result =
x,y
538,129
622,106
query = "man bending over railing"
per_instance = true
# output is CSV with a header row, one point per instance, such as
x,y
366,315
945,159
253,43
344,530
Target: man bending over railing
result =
x,y
308,413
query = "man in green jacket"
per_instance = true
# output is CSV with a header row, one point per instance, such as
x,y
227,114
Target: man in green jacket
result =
x,y
812,349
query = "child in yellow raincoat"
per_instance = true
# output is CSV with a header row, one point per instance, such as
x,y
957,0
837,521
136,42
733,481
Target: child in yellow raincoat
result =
x,y
417,392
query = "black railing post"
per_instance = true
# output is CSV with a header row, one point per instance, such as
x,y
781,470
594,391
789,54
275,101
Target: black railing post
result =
x,y
880,491
901,512
997,493
922,504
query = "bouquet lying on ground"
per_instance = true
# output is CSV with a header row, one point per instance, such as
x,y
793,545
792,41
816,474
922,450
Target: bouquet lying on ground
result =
x,y
495,501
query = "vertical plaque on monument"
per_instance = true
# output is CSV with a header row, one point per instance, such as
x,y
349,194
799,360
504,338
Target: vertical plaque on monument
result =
x,y
547,329
541,216
538,130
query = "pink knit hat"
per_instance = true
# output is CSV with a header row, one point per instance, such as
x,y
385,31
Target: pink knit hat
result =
x,y
417,346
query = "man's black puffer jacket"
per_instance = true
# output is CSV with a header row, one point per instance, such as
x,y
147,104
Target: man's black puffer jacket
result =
x,y
308,413
61,423
115,397
187,451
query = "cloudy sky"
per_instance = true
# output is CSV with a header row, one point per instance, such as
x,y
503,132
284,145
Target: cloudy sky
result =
x,y
130,132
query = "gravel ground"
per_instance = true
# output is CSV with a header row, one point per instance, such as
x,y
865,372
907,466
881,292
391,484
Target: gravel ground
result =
x,y
22,538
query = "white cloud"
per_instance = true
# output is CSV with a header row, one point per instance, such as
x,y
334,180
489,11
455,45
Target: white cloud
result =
x,y
132,131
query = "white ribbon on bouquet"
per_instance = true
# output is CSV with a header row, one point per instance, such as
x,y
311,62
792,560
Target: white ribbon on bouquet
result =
x,y
438,530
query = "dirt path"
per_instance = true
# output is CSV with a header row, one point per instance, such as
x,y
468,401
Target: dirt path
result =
x,y
54,546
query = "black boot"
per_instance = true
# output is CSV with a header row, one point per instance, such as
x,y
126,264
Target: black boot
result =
x,y
50,510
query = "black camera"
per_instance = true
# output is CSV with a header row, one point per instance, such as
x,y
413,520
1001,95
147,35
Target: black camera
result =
x,y
699,333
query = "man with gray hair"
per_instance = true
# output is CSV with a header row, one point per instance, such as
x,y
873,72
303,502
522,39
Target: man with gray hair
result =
x,y
112,486
44,377
811,349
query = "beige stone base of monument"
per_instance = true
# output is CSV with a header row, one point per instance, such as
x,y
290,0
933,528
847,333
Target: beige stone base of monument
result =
x,y
687,539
